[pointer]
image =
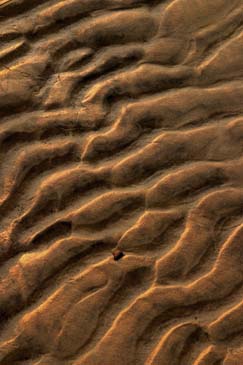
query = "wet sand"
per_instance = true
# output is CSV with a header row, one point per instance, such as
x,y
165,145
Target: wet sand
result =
x,y
121,182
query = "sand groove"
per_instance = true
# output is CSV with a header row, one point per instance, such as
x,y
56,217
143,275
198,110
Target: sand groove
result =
x,y
121,130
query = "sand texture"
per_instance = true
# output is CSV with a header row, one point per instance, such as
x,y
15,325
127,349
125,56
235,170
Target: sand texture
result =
x,y
121,182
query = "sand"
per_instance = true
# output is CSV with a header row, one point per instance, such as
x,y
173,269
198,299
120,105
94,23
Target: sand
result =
x,y
121,182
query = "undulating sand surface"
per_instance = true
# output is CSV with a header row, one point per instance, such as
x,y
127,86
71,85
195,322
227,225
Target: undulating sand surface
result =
x,y
121,182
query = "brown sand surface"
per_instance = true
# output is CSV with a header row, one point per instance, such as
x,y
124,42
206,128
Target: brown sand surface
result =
x,y
121,182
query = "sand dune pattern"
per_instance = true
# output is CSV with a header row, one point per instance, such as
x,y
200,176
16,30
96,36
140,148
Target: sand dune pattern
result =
x,y
121,130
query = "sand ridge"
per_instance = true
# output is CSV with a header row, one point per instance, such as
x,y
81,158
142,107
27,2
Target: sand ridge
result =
x,y
121,132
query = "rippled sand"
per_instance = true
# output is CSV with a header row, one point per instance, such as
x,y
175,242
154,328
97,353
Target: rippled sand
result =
x,y
121,132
